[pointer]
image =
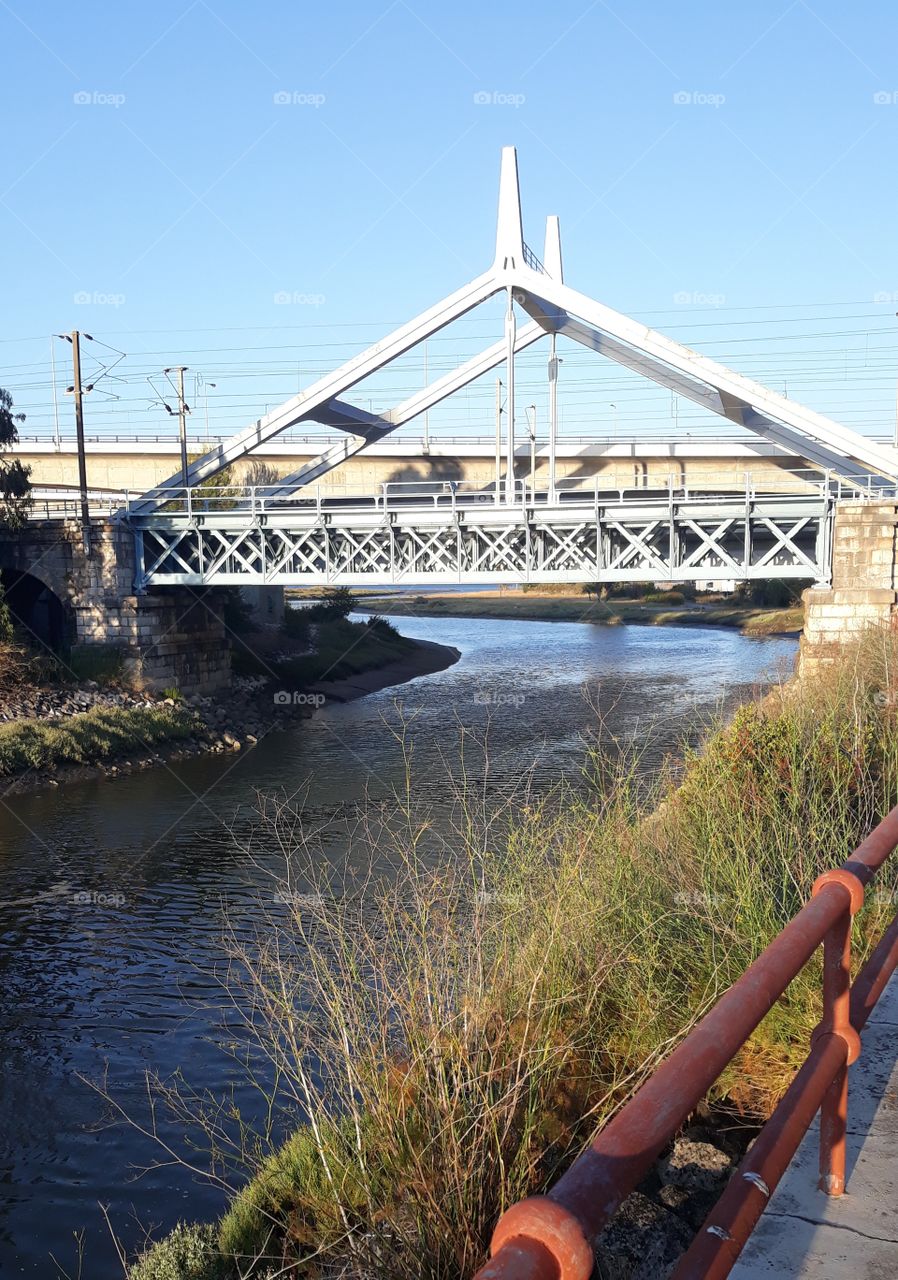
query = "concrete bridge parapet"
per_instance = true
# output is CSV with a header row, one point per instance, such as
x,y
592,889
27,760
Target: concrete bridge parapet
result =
x,y
173,637
864,590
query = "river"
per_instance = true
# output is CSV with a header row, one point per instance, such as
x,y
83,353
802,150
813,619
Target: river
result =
x,y
113,895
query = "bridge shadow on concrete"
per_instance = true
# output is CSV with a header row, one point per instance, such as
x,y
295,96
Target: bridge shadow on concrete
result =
x,y
805,1233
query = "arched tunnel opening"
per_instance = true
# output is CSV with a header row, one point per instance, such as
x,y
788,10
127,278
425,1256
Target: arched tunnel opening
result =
x,y
38,614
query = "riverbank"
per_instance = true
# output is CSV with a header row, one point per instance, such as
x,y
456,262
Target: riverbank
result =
x,y
51,735
530,606
576,940
425,659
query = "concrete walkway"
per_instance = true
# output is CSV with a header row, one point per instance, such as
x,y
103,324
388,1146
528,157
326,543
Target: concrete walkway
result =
x,y
805,1233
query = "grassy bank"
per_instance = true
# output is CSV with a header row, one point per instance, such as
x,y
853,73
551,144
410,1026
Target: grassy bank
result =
x,y
577,608
103,733
343,649
51,732
445,1037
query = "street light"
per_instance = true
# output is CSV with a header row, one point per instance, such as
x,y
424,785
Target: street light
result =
x,y
201,385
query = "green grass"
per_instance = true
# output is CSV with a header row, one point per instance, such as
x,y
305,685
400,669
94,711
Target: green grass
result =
x,y
651,611
447,1037
99,734
100,662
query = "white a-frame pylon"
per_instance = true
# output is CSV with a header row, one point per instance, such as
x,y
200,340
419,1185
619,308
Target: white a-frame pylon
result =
x,y
554,308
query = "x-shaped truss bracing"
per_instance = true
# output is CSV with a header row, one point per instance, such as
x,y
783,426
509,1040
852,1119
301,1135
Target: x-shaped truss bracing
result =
x,y
688,542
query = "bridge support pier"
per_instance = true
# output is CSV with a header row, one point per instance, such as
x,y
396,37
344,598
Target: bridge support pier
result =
x,y
174,637
168,639
864,591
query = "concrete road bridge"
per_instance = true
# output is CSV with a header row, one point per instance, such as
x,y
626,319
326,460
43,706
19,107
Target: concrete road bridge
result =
x,y
127,466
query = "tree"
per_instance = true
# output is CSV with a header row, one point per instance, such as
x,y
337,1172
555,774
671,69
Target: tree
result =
x,y
261,474
15,486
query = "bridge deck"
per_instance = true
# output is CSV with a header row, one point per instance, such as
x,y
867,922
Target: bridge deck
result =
x,y
462,537
805,1233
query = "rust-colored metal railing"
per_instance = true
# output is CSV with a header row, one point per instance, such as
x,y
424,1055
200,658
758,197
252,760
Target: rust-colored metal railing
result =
x,y
551,1237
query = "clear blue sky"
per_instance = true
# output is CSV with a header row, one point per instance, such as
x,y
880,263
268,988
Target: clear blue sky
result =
x,y
756,219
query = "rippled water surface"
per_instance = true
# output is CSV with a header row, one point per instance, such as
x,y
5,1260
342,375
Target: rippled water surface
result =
x,y
113,894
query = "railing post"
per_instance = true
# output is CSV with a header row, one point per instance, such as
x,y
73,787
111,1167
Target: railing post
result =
x,y
837,1021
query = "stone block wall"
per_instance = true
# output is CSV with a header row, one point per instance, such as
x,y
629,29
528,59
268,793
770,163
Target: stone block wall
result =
x,y
174,637
864,591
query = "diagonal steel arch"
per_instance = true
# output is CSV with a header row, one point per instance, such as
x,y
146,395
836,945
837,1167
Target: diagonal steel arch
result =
x,y
555,308
379,426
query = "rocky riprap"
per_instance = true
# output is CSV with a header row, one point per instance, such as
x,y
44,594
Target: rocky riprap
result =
x,y
657,1222
53,703
234,719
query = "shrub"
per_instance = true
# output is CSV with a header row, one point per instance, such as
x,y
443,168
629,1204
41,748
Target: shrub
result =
x,y
188,1253
100,662
664,597
291,1196
336,603
382,627
6,624
774,593
237,612
295,624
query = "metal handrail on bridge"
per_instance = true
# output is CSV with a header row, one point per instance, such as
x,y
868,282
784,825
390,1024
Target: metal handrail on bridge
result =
x,y
551,1237
62,502
394,495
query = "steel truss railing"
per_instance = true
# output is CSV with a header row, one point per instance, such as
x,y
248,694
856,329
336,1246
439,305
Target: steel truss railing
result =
x,y
452,534
551,1237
